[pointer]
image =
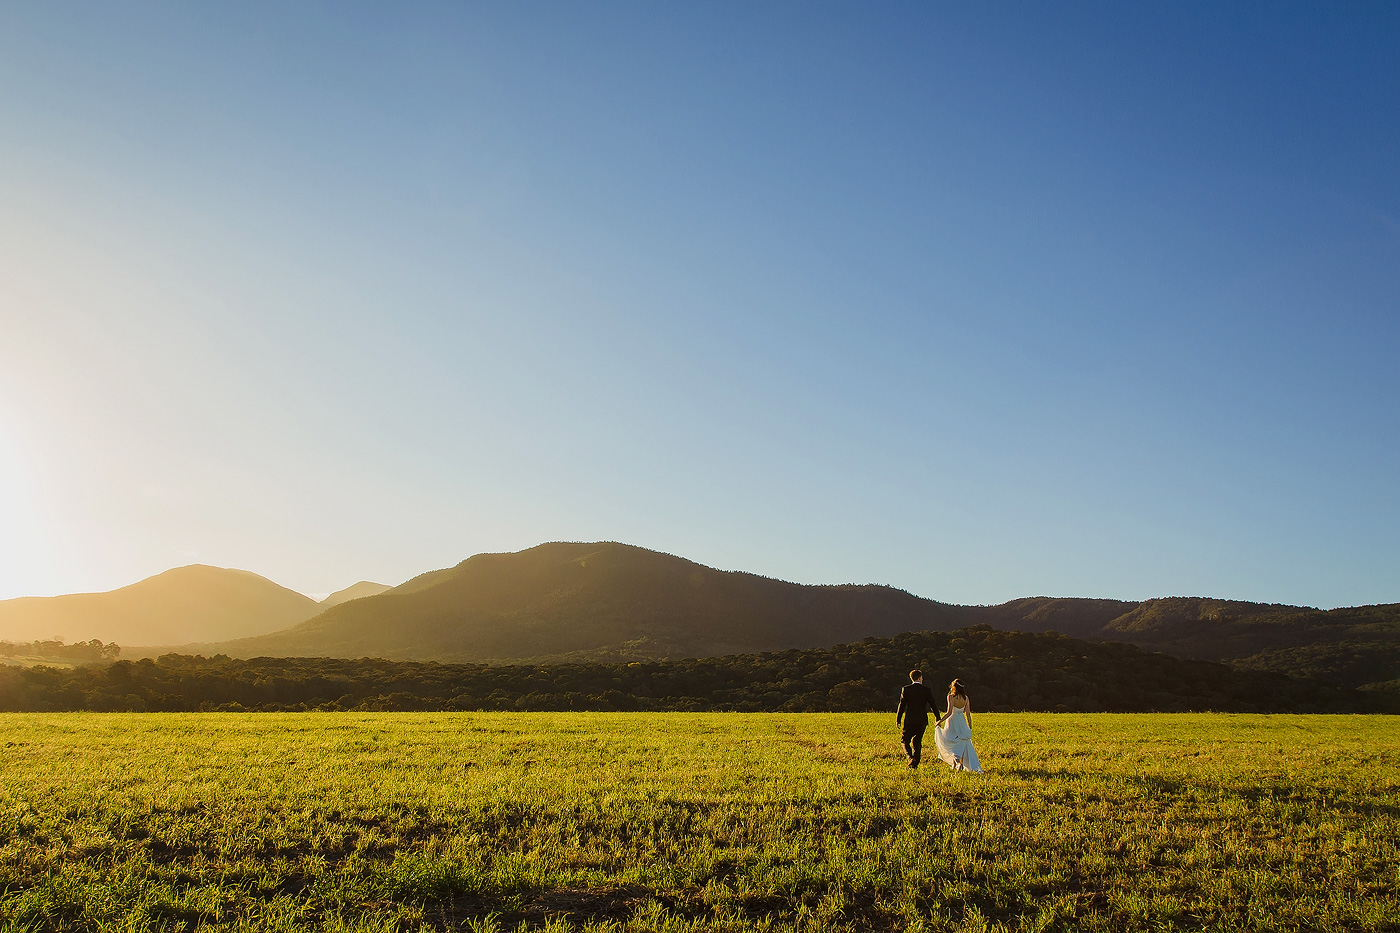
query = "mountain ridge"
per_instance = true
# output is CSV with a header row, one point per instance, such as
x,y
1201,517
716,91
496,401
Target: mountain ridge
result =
x,y
564,597
605,601
353,591
193,603
586,602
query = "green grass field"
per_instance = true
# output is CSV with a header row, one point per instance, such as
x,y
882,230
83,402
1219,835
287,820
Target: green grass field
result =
x,y
493,821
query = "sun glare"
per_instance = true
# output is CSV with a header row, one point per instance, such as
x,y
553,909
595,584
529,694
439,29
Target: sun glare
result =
x,y
22,529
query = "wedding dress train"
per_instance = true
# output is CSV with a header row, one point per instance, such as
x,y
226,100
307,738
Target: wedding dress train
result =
x,y
954,739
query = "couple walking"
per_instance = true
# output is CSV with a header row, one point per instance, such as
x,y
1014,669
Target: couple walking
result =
x,y
952,731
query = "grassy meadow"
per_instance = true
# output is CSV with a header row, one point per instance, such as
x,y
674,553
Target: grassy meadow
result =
x,y
705,821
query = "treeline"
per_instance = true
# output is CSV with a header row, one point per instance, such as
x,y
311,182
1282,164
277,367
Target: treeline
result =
x,y
1005,671
83,652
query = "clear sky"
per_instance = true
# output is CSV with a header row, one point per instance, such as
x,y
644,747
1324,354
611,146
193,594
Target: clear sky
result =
x,y
979,300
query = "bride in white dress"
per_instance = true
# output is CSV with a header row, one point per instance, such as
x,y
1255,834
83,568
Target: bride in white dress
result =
x,y
953,733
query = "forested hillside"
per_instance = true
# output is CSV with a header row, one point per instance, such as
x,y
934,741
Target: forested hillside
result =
x,y
1004,671
598,602
607,602
612,602
1351,647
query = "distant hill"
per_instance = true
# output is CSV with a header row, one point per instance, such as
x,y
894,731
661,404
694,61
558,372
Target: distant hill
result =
x,y
600,601
188,604
1352,647
354,591
1003,671
606,602
614,602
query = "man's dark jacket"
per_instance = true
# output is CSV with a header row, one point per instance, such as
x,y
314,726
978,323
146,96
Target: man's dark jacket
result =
x,y
915,700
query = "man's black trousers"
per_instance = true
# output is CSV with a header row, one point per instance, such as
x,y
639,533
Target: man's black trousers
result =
x,y
913,736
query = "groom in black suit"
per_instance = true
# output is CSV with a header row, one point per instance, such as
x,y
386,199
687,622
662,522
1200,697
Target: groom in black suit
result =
x,y
915,700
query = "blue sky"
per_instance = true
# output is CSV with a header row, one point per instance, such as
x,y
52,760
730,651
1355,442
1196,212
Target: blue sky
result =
x,y
982,302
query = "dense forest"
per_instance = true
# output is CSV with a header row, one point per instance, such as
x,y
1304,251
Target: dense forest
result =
x,y
1004,671
55,649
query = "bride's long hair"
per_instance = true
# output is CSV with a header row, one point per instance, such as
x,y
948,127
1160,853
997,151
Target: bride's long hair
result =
x,y
956,688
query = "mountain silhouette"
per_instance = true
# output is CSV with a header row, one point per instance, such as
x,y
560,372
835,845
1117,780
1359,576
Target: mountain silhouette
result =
x,y
354,591
615,602
197,603
600,601
608,602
